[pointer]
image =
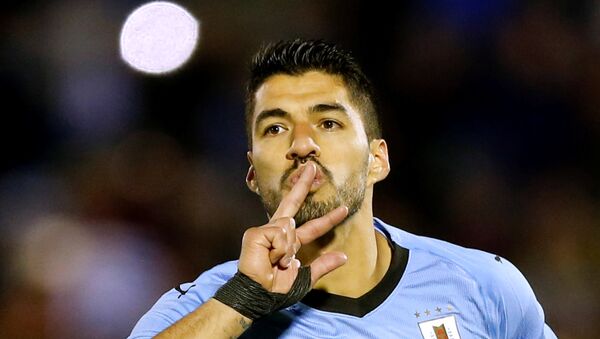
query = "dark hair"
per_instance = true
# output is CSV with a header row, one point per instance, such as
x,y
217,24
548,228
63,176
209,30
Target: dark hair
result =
x,y
296,57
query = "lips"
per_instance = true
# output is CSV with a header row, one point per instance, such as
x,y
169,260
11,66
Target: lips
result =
x,y
319,179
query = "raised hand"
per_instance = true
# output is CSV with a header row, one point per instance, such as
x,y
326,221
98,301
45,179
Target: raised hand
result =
x,y
268,252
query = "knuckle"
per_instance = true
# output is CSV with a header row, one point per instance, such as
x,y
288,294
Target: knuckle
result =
x,y
281,231
283,222
314,232
277,222
250,232
292,223
330,217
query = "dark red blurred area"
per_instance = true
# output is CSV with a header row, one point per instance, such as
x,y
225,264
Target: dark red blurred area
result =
x,y
116,186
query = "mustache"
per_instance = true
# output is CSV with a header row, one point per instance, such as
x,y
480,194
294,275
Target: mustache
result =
x,y
296,164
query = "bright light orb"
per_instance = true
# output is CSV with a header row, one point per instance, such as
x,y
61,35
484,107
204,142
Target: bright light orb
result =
x,y
158,37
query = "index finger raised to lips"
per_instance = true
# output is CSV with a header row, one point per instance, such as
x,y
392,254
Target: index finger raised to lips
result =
x,y
291,203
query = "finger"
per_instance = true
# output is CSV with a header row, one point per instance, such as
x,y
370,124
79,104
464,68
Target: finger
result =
x,y
317,227
284,251
290,228
291,203
278,250
283,285
263,237
326,263
274,239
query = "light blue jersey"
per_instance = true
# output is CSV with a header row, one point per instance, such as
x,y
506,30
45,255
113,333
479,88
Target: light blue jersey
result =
x,y
433,290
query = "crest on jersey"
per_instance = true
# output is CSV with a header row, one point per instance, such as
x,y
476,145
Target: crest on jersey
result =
x,y
440,328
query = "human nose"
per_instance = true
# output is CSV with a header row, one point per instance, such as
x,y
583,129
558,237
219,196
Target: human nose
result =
x,y
303,144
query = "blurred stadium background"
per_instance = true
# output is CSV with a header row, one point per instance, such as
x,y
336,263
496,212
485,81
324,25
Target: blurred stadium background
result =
x,y
115,186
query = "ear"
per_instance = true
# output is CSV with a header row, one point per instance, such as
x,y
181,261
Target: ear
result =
x,y
251,175
379,163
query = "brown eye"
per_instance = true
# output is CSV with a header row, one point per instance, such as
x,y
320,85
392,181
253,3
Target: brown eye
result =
x,y
330,124
273,130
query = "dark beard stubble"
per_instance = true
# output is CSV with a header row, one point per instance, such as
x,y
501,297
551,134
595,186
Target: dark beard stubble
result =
x,y
351,194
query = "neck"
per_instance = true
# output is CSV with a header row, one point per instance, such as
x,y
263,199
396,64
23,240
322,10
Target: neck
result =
x,y
368,254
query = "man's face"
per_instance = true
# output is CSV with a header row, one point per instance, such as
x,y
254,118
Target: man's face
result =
x,y
305,118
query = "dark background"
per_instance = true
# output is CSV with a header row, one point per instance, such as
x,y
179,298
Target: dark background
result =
x,y
116,186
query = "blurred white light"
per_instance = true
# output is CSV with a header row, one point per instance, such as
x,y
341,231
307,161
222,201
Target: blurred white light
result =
x,y
158,37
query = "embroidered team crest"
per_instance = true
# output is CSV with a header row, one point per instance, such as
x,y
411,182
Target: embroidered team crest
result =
x,y
440,332
440,328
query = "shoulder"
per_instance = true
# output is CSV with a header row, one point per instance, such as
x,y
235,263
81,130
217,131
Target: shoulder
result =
x,y
504,292
181,300
480,265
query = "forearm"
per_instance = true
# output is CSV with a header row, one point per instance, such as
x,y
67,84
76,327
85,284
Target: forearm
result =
x,y
211,320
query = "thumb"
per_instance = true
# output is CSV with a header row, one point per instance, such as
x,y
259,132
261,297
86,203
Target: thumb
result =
x,y
326,263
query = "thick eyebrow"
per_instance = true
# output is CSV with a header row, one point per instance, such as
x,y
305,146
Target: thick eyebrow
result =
x,y
276,112
328,107
279,113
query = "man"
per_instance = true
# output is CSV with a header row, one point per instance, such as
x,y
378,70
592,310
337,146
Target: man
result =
x,y
315,155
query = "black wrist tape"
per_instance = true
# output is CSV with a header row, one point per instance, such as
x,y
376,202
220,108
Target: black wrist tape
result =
x,y
251,300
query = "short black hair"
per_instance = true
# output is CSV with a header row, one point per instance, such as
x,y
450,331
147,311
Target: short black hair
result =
x,y
298,56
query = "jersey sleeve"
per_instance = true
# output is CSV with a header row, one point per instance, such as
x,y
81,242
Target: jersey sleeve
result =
x,y
180,301
519,314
